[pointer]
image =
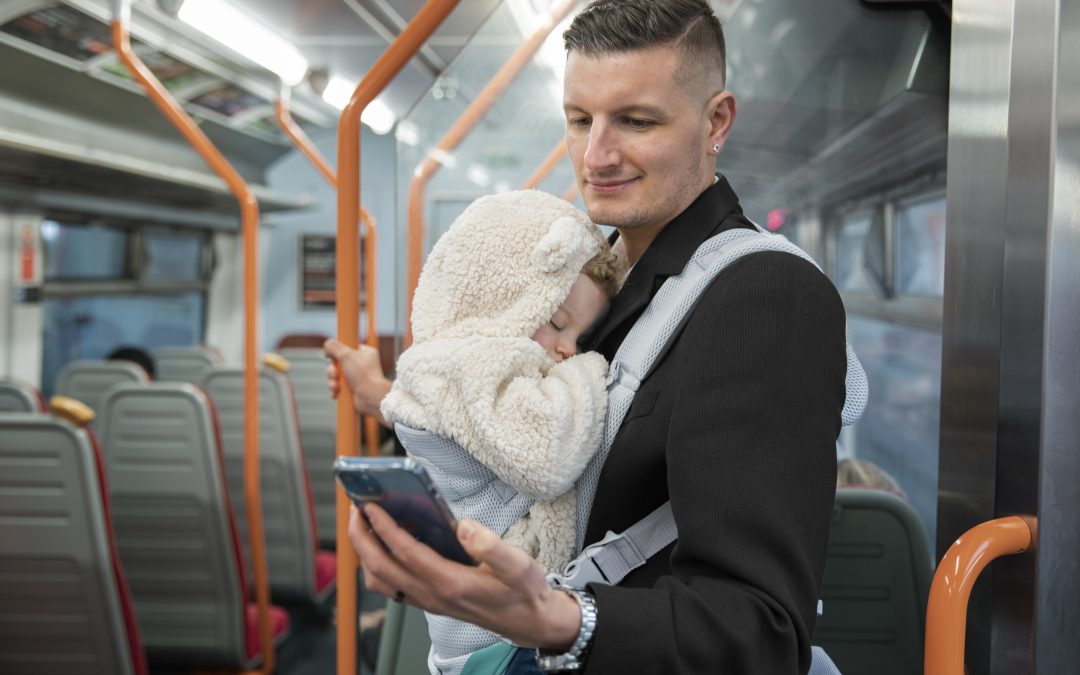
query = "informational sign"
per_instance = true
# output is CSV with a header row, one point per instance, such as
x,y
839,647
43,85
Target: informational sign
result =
x,y
318,267
63,30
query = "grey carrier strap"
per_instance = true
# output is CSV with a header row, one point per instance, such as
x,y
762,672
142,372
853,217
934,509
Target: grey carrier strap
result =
x,y
611,559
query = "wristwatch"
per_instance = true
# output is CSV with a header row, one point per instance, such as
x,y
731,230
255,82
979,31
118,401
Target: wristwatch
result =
x,y
574,658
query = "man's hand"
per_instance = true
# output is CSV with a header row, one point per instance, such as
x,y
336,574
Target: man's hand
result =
x,y
507,593
363,373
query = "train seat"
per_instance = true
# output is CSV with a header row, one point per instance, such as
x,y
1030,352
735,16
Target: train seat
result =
x,y
299,570
877,580
318,433
185,364
65,607
175,527
16,396
88,381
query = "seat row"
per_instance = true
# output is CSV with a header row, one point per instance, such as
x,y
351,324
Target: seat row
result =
x,y
175,473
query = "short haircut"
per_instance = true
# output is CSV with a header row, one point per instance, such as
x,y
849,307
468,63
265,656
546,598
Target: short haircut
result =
x,y
605,268
608,26
135,355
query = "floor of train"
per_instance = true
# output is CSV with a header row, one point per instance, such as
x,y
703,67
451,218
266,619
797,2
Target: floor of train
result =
x,y
311,647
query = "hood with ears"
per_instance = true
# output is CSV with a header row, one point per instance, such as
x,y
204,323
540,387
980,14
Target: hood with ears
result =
x,y
503,268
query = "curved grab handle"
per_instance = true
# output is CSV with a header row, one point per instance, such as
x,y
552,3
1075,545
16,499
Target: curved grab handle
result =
x,y
308,150
408,42
946,611
249,219
473,114
547,166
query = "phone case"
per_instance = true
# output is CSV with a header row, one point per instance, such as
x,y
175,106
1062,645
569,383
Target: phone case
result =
x,y
405,491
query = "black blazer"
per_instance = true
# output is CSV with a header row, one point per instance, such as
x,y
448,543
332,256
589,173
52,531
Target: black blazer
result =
x,y
737,426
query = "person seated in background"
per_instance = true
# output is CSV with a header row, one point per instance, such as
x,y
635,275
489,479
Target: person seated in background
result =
x,y
853,472
136,355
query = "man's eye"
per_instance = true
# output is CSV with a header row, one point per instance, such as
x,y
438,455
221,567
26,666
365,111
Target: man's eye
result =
x,y
578,122
639,124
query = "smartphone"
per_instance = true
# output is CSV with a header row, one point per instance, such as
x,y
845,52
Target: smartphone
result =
x,y
405,491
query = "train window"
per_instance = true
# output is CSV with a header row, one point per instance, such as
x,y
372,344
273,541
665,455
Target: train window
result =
x,y
850,265
173,256
920,247
89,327
85,252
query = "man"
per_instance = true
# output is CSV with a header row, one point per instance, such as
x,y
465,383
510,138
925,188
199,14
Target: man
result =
x,y
737,424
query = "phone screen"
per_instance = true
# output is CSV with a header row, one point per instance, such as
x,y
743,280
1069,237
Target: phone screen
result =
x,y
404,491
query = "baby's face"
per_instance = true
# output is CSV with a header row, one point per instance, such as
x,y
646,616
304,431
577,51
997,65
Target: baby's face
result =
x,y
582,306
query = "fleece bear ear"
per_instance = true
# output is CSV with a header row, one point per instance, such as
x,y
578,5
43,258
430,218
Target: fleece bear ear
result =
x,y
563,243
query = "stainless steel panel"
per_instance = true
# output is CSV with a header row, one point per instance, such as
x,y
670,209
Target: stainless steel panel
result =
x,y
1010,380
1057,611
975,241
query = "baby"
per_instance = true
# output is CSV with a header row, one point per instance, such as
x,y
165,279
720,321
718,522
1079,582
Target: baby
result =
x,y
492,397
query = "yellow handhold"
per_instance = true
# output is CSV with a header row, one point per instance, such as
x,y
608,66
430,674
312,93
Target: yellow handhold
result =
x,y
276,361
72,410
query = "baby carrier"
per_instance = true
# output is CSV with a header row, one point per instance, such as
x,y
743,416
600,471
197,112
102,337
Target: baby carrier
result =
x,y
608,561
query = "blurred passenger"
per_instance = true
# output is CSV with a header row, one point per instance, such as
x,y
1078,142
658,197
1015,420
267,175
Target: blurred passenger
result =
x,y
136,355
853,472
751,489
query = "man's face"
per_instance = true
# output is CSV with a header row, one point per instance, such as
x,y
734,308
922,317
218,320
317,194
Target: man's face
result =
x,y
638,139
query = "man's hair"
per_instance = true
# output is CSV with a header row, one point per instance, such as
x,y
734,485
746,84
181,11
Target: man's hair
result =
x,y
135,355
608,26
604,268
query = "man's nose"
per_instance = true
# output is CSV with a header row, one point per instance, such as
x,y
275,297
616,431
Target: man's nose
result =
x,y
602,151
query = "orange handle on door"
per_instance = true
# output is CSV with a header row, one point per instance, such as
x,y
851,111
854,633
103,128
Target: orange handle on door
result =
x,y
946,611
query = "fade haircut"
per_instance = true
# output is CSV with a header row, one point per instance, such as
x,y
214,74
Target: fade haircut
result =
x,y
608,26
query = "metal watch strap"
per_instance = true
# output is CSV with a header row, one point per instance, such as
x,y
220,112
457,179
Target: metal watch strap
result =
x,y
573,659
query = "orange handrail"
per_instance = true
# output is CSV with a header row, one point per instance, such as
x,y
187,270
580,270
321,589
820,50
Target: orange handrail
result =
x,y
473,114
547,166
308,149
946,611
571,192
408,42
249,218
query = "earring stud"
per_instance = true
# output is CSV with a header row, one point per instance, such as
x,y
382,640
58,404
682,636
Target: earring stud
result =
x,y
716,147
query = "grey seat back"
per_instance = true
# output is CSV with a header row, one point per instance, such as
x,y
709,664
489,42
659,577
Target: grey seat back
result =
x,y
877,579
61,598
290,540
88,381
185,364
18,396
174,524
317,413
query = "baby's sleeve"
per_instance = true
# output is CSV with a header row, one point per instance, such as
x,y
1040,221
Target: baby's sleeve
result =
x,y
542,431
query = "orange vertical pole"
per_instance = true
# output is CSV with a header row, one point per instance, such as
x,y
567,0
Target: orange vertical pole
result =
x,y
308,149
430,16
547,166
571,192
946,611
249,218
473,114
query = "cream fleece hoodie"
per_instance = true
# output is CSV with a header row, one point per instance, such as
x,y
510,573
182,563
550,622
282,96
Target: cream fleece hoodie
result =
x,y
473,374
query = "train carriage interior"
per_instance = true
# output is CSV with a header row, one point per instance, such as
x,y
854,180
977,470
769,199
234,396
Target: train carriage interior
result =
x,y
924,153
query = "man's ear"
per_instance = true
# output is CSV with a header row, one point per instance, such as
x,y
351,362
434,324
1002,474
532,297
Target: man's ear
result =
x,y
721,111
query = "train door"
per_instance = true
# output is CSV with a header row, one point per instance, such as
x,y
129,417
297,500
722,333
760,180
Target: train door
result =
x,y
1010,433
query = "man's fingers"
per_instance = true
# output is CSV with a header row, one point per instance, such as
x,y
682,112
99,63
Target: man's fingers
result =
x,y
335,349
510,565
